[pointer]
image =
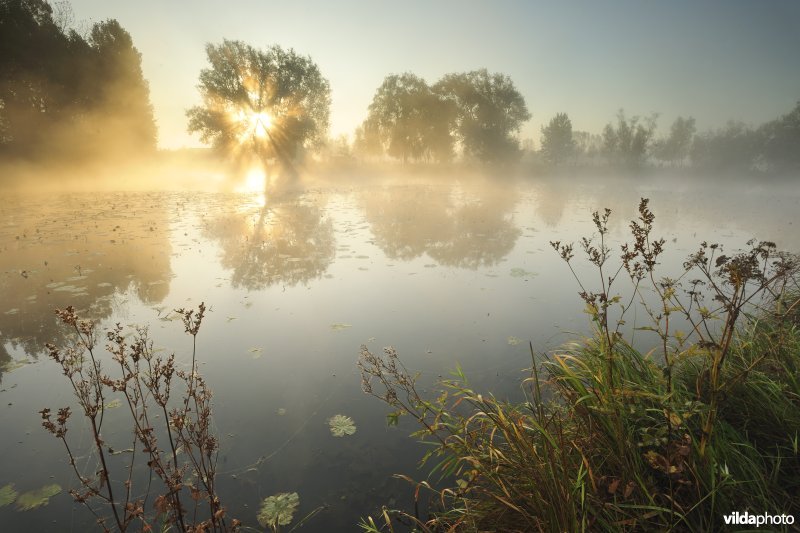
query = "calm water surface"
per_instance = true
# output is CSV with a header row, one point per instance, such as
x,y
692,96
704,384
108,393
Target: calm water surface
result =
x,y
449,272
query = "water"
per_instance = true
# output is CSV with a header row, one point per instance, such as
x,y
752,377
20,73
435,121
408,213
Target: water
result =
x,y
452,271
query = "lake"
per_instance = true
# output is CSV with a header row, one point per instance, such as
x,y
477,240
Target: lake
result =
x,y
450,271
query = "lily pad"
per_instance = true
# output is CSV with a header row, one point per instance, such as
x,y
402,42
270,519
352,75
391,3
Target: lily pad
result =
x,y
7,495
14,364
521,273
113,404
278,509
341,425
36,498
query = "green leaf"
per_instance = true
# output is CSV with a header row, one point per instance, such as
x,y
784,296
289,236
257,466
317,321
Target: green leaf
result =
x,y
393,418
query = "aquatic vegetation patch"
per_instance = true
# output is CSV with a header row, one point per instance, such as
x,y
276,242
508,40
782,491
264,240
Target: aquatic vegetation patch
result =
x,y
37,498
341,425
521,273
7,495
278,509
14,364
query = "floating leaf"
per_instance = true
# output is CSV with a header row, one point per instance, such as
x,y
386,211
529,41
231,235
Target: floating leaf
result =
x,y
113,404
278,509
7,495
36,498
521,273
340,327
14,364
341,425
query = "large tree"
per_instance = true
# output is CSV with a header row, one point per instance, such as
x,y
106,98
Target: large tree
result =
x,y
64,97
557,141
271,104
407,120
122,93
489,113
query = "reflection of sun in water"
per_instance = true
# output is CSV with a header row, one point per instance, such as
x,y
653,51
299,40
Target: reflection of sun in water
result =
x,y
254,182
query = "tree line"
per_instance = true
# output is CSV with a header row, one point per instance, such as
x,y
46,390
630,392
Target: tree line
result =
x,y
65,93
772,147
69,95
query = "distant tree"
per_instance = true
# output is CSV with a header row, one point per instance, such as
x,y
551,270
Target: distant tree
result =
x,y
587,145
675,148
557,142
489,112
407,120
628,142
780,142
735,147
271,104
366,140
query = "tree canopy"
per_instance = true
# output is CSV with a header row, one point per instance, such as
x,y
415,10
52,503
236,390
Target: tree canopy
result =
x,y
628,142
489,113
269,103
407,120
557,141
65,95
477,112
675,148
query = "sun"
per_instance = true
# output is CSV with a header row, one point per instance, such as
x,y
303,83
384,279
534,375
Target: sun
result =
x,y
260,123
253,124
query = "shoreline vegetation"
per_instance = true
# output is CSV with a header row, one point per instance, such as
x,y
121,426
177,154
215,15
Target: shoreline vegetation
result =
x,y
610,438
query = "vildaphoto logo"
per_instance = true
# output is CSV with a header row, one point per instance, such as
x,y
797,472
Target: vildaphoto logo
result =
x,y
764,519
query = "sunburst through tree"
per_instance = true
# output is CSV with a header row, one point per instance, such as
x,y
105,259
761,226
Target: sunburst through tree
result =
x,y
264,106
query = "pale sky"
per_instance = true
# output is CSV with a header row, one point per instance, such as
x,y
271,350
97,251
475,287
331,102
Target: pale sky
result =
x,y
714,60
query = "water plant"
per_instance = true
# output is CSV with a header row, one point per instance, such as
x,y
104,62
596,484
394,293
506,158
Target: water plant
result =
x,y
341,425
278,510
611,438
171,437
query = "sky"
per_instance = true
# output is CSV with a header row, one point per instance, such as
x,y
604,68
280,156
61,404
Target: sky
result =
x,y
713,60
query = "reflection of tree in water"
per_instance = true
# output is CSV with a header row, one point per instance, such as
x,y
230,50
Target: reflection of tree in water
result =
x,y
463,226
76,250
286,243
550,198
